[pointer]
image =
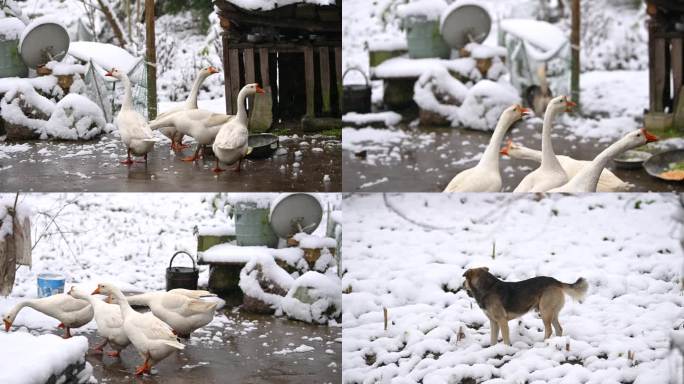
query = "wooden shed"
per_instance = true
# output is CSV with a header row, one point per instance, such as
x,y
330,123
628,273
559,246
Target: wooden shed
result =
x,y
294,50
666,64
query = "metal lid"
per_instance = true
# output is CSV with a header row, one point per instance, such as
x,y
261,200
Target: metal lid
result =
x,y
464,22
292,213
42,43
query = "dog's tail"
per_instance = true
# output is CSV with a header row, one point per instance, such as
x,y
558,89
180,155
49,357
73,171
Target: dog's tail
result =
x,y
576,290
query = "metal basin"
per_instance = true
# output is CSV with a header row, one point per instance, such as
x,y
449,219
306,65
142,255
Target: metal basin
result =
x,y
631,159
263,145
660,162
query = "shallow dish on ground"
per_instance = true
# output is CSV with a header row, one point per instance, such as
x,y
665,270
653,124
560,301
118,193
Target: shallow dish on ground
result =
x,y
263,145
631,159
668,161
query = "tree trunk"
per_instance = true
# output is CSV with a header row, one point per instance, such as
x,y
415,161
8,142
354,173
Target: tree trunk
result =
x,y
111,19
151,61
575,48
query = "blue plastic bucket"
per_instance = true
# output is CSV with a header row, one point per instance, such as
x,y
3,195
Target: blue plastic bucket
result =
x,y
50,284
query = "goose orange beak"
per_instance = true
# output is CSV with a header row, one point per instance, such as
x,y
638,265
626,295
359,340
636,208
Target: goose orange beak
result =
x,y
8,325
526,112
96,291
569,105
259,89
213,69
649,136
504,150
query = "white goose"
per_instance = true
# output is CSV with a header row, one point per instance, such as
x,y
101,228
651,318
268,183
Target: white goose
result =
x,y
109,322
587,179
190,103
153,339
135,133
485,176
182,313
608,182
72,313
550,173
230,146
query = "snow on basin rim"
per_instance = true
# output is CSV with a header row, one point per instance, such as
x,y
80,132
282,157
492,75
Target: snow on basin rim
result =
x,y
25,358
47,19
11,28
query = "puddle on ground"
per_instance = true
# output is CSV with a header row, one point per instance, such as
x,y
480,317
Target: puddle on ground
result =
x,y
94,166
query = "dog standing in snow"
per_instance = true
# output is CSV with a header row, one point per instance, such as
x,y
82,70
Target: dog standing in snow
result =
x,y
502,301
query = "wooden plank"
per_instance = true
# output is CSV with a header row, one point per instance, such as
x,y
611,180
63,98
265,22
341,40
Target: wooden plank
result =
x,y
651,70
659,75
226,74
151,57
677,61
263,67
310,80
250,72
338,76
324,61
234,78
575,53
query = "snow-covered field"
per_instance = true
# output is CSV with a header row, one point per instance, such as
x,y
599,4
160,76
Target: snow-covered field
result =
x,y
407,253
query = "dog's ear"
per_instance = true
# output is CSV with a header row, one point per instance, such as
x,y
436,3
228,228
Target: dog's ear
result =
x,y
467,273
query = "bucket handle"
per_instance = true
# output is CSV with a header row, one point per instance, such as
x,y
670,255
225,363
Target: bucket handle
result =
x,y
357,69
189,255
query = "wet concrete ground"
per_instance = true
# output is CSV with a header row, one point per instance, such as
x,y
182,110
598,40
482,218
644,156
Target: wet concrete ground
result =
x,y
239,349
428,158
94,166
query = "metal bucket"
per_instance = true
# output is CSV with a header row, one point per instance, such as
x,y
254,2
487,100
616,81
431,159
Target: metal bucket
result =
x,y
11,64
50,284
357,97
181,277
424,40
252,226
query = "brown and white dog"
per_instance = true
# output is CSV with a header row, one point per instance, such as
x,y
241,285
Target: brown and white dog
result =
x,y
502,301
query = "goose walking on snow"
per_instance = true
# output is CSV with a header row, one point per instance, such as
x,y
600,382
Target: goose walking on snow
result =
x,y
550,173
135,133
153,338
485,176
170,131
71,312
230,146
587,179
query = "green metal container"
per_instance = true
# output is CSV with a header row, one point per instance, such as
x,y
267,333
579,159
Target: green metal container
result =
x,y
252,226
424,39
11,64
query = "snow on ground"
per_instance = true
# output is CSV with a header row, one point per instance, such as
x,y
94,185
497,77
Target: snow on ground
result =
x,y
34,359
408,254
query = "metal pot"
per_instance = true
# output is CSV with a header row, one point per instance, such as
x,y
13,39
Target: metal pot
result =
x,y
181,277
357,97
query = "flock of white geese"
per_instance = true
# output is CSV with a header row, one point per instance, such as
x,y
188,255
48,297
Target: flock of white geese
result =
x,y
227,134
154,334
555,173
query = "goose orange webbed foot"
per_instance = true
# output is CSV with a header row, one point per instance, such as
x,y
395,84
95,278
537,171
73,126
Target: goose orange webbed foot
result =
x,y
114,353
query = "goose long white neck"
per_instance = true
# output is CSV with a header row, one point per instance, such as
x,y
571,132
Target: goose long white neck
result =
x,y
123,303
525,153
18,307
490,157
589,176
128,96
242,111
191,102
548,155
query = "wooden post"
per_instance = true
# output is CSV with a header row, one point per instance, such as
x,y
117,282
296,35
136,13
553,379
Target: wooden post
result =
x,y
151,61
250,72
128,17
338,76
677,65
310,81
661,76
575,48
324,61
234,70
263,68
